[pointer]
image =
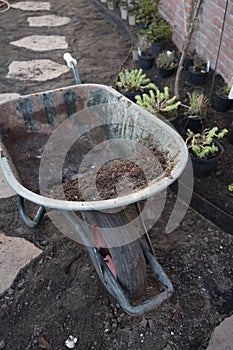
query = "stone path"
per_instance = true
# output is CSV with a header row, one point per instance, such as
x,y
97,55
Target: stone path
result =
x,y
16,252
34,62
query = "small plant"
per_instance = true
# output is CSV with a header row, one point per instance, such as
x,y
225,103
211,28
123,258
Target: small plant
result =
x,y
202,144
144,45
166,59
198,103
158,31
147,11
199,64
134,80
230,187
225,89
158,102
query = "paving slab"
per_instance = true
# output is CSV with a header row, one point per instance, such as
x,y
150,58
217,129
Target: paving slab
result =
x,y
47,21
5,190
222,337
42,42
15,253
32,5
36,70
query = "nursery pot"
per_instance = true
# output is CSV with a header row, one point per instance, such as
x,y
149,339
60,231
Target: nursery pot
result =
x,y
131,19
197,77
145,62
188,61
135,54
230,135
124,12
131,94
166,72
110,5
222,103
143,25
204,167
194,123
156,48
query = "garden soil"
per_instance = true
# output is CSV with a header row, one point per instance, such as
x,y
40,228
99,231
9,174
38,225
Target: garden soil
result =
x,y
59,294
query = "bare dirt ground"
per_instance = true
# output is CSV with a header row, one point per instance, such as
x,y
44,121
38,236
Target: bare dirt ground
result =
x,y
59,294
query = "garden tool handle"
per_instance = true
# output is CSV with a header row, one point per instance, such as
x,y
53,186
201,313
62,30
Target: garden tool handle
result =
x,y
72,63
69,59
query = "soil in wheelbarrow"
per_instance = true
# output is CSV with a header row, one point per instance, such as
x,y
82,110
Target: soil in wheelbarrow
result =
x,y
119,177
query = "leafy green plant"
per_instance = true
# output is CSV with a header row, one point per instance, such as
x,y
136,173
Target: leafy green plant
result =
x,y
225,89
166,59
157,101
198,103
134,80
230,187
202,144
159,30
147,11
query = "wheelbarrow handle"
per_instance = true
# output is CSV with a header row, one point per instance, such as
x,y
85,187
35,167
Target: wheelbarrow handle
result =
x,y
72,63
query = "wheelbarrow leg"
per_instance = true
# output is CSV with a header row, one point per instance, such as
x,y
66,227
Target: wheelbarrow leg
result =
x,y
29,222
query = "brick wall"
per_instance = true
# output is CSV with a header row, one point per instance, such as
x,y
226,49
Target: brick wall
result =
x,y
206,37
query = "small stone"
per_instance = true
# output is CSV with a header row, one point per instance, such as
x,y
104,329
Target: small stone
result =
x,y
70,342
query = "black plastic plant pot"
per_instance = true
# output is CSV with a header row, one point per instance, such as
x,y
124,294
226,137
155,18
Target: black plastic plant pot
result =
x,y
143,25
165,73
145,62
222,103
193,123
204,167
188,61
156,48
197,77
131,95
230,135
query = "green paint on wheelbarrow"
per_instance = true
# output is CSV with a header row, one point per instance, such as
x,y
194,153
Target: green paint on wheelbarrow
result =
x,y
70,99
49,108
25,108
100,96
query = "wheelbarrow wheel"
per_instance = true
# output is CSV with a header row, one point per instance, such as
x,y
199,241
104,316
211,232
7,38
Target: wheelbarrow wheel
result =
x,y
130,268
129,265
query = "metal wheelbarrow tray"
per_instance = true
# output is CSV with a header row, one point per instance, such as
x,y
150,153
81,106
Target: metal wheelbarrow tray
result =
x,y
38,130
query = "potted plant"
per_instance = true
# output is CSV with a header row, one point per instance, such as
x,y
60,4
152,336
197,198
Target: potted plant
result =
x,y
145,57
198,71
188,60
156,101
133,82
230,134
158,32
222,103
196,110
110,4
131,17
166,63
123,10
147,11
205,150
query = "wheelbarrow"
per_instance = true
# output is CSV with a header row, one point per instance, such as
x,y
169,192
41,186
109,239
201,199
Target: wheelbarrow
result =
x,y
39,132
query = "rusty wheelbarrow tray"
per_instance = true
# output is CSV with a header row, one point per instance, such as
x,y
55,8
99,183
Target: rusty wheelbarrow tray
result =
x,y
27,126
